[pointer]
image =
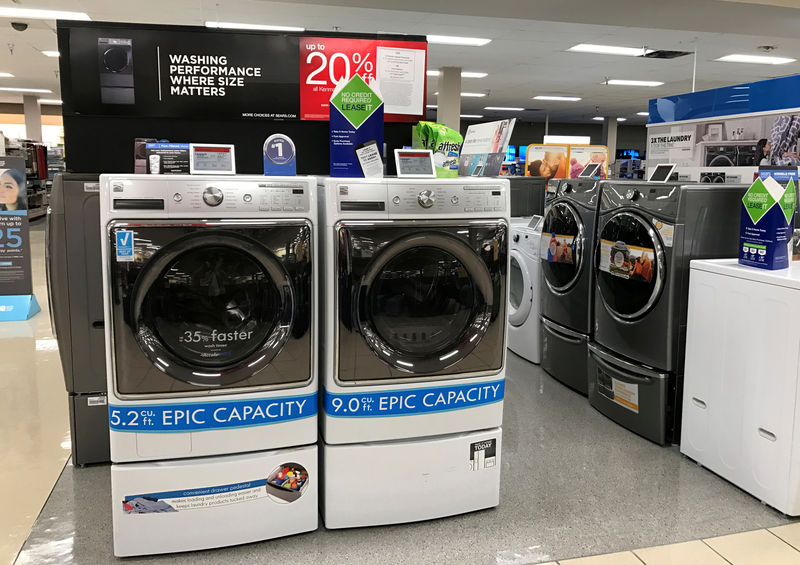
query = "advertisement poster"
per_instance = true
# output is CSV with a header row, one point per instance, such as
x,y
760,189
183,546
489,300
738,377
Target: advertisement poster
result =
x,y
557,248
484,149
399,67
767,223
745,141
549,161
627,261
356,118
582,155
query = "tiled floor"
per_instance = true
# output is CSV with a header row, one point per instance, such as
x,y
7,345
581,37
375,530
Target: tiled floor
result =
x,y
34,421
574,484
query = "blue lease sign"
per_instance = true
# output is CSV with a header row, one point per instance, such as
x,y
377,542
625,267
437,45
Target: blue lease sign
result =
x,y
201,416
411,402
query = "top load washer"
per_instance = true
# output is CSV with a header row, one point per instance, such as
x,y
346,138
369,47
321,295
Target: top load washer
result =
x,y
209,286
568,279
646,235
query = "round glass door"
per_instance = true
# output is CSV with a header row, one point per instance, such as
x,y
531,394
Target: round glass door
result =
x,y
562,247
520,293
630,265
425,302
212,309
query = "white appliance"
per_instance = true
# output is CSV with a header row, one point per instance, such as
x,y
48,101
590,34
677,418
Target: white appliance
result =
x,y
524,287
413,347
741,399
211,322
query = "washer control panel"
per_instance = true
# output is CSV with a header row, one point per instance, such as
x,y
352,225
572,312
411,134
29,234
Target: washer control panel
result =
x,y
443,198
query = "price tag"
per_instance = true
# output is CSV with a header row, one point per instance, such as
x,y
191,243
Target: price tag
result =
x,y
279,156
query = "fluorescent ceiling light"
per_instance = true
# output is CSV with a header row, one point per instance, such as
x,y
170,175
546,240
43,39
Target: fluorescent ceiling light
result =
x,y
574,139
622,119
34,14
762,59
610,50
6,75
643,114
453,40
464,74
623,82
558,98
12,89
599,118
433,106
475,116
49,101
51,53
468,94
504,109
259,27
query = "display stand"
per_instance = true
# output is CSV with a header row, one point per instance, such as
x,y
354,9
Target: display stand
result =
x,y
18,307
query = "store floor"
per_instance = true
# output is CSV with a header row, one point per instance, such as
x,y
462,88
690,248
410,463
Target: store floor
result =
x,y
574,484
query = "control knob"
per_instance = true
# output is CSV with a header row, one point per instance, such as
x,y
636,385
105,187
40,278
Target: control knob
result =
x,y
426,198
516,237
633,194
212,196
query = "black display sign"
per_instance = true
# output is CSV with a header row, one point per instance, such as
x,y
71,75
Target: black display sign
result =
x,y
160,71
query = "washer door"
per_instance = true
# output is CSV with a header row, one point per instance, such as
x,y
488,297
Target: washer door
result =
x,y
630,266
212,309
562,247
520,289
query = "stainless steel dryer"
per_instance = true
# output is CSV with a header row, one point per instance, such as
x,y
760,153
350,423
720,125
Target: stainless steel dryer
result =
x,y
567,242
646,235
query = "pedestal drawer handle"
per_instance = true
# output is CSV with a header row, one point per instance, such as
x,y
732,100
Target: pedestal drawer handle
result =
x,y
767,434
699,403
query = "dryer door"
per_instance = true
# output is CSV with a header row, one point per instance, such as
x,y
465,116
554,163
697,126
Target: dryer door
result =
x,y
420,299
520,289
210,307
630,266
562,247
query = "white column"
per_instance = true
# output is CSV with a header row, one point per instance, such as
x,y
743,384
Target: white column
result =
x,y
33,117
610,137
448,111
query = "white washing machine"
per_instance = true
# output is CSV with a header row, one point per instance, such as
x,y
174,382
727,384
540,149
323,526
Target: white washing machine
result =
x,y
211,339
414,340
524,287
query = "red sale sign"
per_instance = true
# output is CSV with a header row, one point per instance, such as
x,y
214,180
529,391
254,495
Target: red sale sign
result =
x,y
327,61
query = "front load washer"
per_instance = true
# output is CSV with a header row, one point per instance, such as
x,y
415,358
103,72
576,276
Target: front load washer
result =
x,y
647,233
210,317
568,280
524,289
414,347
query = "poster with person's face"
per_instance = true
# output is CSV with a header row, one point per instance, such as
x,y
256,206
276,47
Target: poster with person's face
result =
x,y
627,261
549,161
15,260
582,155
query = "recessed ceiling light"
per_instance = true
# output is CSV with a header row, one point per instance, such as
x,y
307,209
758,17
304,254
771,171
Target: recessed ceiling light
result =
x,y
599,118
762,59
464,74
474,116
453,40
643,114
504,109
14,89
259,27
49,101
468,94
624,82
6,75
558,98
34,14
610,50
51,53
622,119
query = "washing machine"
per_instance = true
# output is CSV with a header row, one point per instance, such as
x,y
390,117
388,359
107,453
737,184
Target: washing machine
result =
x,y
568,279
414,343
524,288
646,235
721,155
210,324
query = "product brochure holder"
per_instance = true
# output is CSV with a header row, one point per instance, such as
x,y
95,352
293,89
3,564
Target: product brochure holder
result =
x,y
484,149
17,301
356,117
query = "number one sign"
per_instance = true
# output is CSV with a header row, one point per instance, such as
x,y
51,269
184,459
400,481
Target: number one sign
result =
x,y
17,301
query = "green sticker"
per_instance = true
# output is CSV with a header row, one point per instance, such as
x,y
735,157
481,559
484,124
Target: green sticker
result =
x,y
757,200
356,101
788,201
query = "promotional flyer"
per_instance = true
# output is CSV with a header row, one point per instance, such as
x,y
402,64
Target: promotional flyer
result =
x,y
582,155
627,261
767,224
549,161
356,118
484,149
557,248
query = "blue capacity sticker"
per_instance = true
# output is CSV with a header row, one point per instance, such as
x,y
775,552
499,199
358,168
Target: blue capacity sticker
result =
x,y
200,416
413,401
